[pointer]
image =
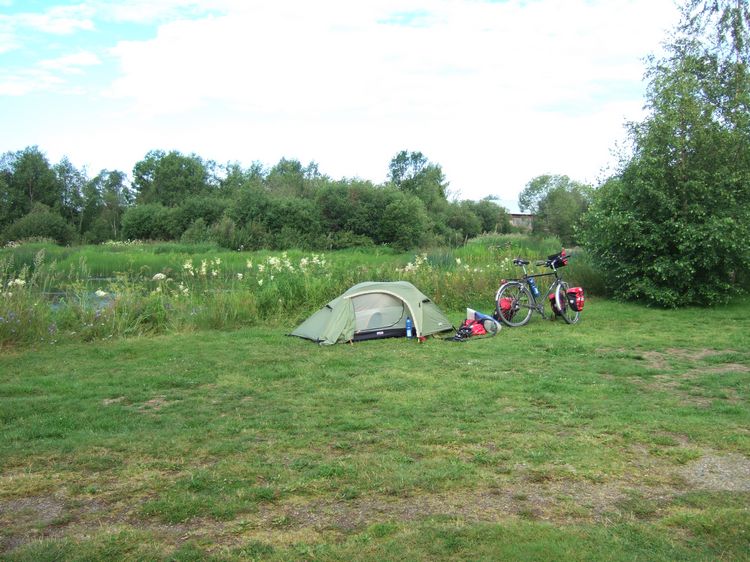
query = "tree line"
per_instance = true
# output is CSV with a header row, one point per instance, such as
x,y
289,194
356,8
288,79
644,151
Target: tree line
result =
x,y
175,196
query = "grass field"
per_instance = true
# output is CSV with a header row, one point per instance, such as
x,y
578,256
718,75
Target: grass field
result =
x,y
625,437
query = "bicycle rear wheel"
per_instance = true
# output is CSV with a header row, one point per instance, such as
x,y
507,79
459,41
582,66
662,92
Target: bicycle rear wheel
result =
x,y
561,300
514,304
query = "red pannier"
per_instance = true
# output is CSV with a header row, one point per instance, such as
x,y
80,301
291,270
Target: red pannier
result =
x,y
576,300
553,304
505,305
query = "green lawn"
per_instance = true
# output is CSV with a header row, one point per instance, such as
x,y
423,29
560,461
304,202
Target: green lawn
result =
x,y
625,437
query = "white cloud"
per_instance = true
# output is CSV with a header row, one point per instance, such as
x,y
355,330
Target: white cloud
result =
x,y
59,20
149,11
496,92
24,83
70,64
8,41
49,75
15,29
487,90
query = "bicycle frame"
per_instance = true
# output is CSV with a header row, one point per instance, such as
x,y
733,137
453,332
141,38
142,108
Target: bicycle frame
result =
x,y
537,306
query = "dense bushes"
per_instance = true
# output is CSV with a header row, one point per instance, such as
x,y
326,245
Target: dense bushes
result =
x,y
151,221
183,197
672,227
41,222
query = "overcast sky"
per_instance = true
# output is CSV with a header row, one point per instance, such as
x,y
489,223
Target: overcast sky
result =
x,y
496,92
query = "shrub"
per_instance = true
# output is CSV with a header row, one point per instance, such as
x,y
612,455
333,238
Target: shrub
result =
x,y
41,222
653,251
210,209
100,231
344,239
672,227
196,233
226,234
404,222
150,222
462,218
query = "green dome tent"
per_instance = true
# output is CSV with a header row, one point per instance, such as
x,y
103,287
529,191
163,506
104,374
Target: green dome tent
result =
x,y
374,310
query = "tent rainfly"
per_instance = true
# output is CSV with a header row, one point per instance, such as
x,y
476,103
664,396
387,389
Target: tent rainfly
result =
x,y
373,310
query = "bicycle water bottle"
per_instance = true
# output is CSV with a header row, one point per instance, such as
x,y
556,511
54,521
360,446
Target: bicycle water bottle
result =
x,y
408,327
533,287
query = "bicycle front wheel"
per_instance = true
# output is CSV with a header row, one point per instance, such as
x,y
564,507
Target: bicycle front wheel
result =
x,y
561,300
514,304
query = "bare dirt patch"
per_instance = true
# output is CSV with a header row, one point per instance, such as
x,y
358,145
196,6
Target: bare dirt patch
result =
x,y
730,473
40,509
110,401
656,360
561,502
154,404
25,519
678,384
644,491
723,368
659,360
691,354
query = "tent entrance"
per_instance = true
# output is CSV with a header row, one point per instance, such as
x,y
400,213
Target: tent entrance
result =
x,y
378,315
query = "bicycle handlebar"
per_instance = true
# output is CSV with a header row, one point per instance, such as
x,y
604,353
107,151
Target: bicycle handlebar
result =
x,y
546,263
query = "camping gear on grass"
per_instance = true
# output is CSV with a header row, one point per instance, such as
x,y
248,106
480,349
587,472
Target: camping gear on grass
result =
x,y
476,324
373,310
490,324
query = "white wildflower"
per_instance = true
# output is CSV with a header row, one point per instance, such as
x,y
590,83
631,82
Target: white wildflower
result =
x,y
214,273
240,276
249,264
159,277
204,268
458,261
260,282
99,293
17,283
261,267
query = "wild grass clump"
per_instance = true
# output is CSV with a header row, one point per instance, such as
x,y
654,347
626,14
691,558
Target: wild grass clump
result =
x,y
24,318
